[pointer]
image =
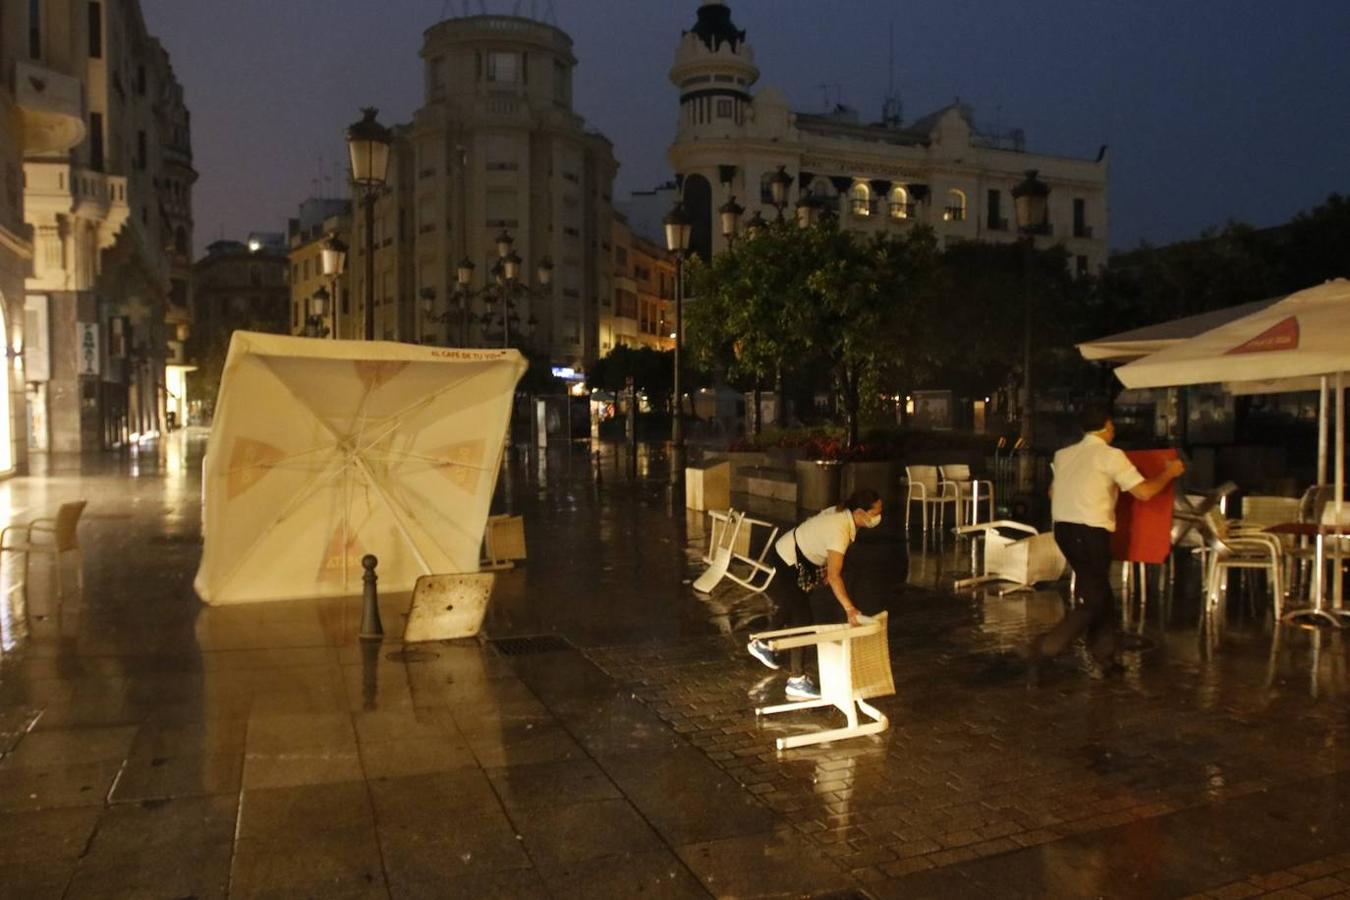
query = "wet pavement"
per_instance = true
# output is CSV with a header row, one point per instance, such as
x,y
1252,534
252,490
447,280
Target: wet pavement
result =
x,y
153,747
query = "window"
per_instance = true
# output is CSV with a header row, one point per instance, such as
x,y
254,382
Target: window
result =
x,y
437,76
35,29
899,203
621,256
96,141
560,82
860,199
994,211
140,150
956,206
1081,228
725,109
95,30
503,67
140,83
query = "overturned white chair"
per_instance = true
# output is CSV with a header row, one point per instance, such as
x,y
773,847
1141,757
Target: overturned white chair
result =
x,y
855,666
731,541
503,542
1014,552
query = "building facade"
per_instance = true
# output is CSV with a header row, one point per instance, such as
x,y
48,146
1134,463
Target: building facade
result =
x,y
496,146
319,219
885,176
237,285
16,249
108,196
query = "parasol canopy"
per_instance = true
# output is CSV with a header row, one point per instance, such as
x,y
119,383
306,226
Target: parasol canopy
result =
x,y
322,451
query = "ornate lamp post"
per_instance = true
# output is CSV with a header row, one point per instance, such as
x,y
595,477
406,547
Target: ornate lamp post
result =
x,y
315,326
679,230
333,260
368,144
1031,203
730,214
779,185
504,287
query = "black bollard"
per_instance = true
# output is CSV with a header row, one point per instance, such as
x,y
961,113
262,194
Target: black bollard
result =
x,y
371,629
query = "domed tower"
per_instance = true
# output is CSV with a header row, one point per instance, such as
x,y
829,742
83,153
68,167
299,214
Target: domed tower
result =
x,y
714,69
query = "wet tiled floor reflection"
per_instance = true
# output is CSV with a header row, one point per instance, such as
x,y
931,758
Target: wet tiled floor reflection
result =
x,y
153,747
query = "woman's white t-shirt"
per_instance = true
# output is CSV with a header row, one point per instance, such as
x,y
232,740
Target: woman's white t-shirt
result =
x,y
827,530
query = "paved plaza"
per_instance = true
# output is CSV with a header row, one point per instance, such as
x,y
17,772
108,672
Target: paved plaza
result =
x,y
153,747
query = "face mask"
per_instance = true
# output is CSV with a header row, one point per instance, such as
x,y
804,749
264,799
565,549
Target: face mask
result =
x,y
874,522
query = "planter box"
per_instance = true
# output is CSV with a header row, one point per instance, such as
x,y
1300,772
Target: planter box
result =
x,y
772,484
741,463
817,483
708,487
882,476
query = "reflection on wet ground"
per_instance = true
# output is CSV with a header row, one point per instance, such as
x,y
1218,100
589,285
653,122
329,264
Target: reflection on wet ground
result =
x,y
155,747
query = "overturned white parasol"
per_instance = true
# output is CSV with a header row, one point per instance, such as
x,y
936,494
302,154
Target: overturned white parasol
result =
x,y
324,451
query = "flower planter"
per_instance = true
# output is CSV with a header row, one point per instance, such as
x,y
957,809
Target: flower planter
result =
x,y
817,483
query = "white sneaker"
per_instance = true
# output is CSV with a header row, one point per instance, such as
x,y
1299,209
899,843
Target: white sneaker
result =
x,y
802,688
760,651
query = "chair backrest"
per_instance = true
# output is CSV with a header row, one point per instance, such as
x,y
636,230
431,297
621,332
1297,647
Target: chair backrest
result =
x,y
1266,511
67,525
924,475
958,472
1314,502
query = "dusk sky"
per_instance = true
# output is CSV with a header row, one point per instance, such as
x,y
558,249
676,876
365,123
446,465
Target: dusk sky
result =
x,y
1213,111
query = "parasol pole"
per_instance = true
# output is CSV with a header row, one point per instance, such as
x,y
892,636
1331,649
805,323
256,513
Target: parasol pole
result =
x,y
364,466
1323,404
1338,586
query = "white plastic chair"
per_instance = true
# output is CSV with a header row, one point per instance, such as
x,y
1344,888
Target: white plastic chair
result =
x,y
930,492
1239,551
970,493
55,536
1014,552
855,666
730,543
503,542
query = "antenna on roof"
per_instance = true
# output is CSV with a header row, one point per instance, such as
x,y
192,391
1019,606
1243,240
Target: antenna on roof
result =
x,y
825,96
890,107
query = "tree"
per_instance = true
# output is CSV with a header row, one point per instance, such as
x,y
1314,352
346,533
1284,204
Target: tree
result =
x,y
652,372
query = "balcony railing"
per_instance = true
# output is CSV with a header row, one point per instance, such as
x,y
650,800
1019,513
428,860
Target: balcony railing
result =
x,y
954,214
1082,231
53,108
903,210
998,224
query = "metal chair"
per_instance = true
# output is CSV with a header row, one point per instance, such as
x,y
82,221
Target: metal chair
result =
x,y
1228,550
970,493
926,488
1014,552
55,536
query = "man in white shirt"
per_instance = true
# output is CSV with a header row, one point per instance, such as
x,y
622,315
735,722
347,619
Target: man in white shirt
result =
x,y
1089,477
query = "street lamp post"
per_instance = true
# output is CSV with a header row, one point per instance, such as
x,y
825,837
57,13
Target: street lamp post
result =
x,y
368,144
779,185
730,214
504,288
679,230
318,313
333,259
1030,200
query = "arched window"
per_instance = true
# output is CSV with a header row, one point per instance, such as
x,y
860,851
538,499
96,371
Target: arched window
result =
x,y
899,203
860,199
955,210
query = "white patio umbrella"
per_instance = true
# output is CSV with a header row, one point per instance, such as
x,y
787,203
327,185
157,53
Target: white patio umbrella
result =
x,y
1299,343
323,451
